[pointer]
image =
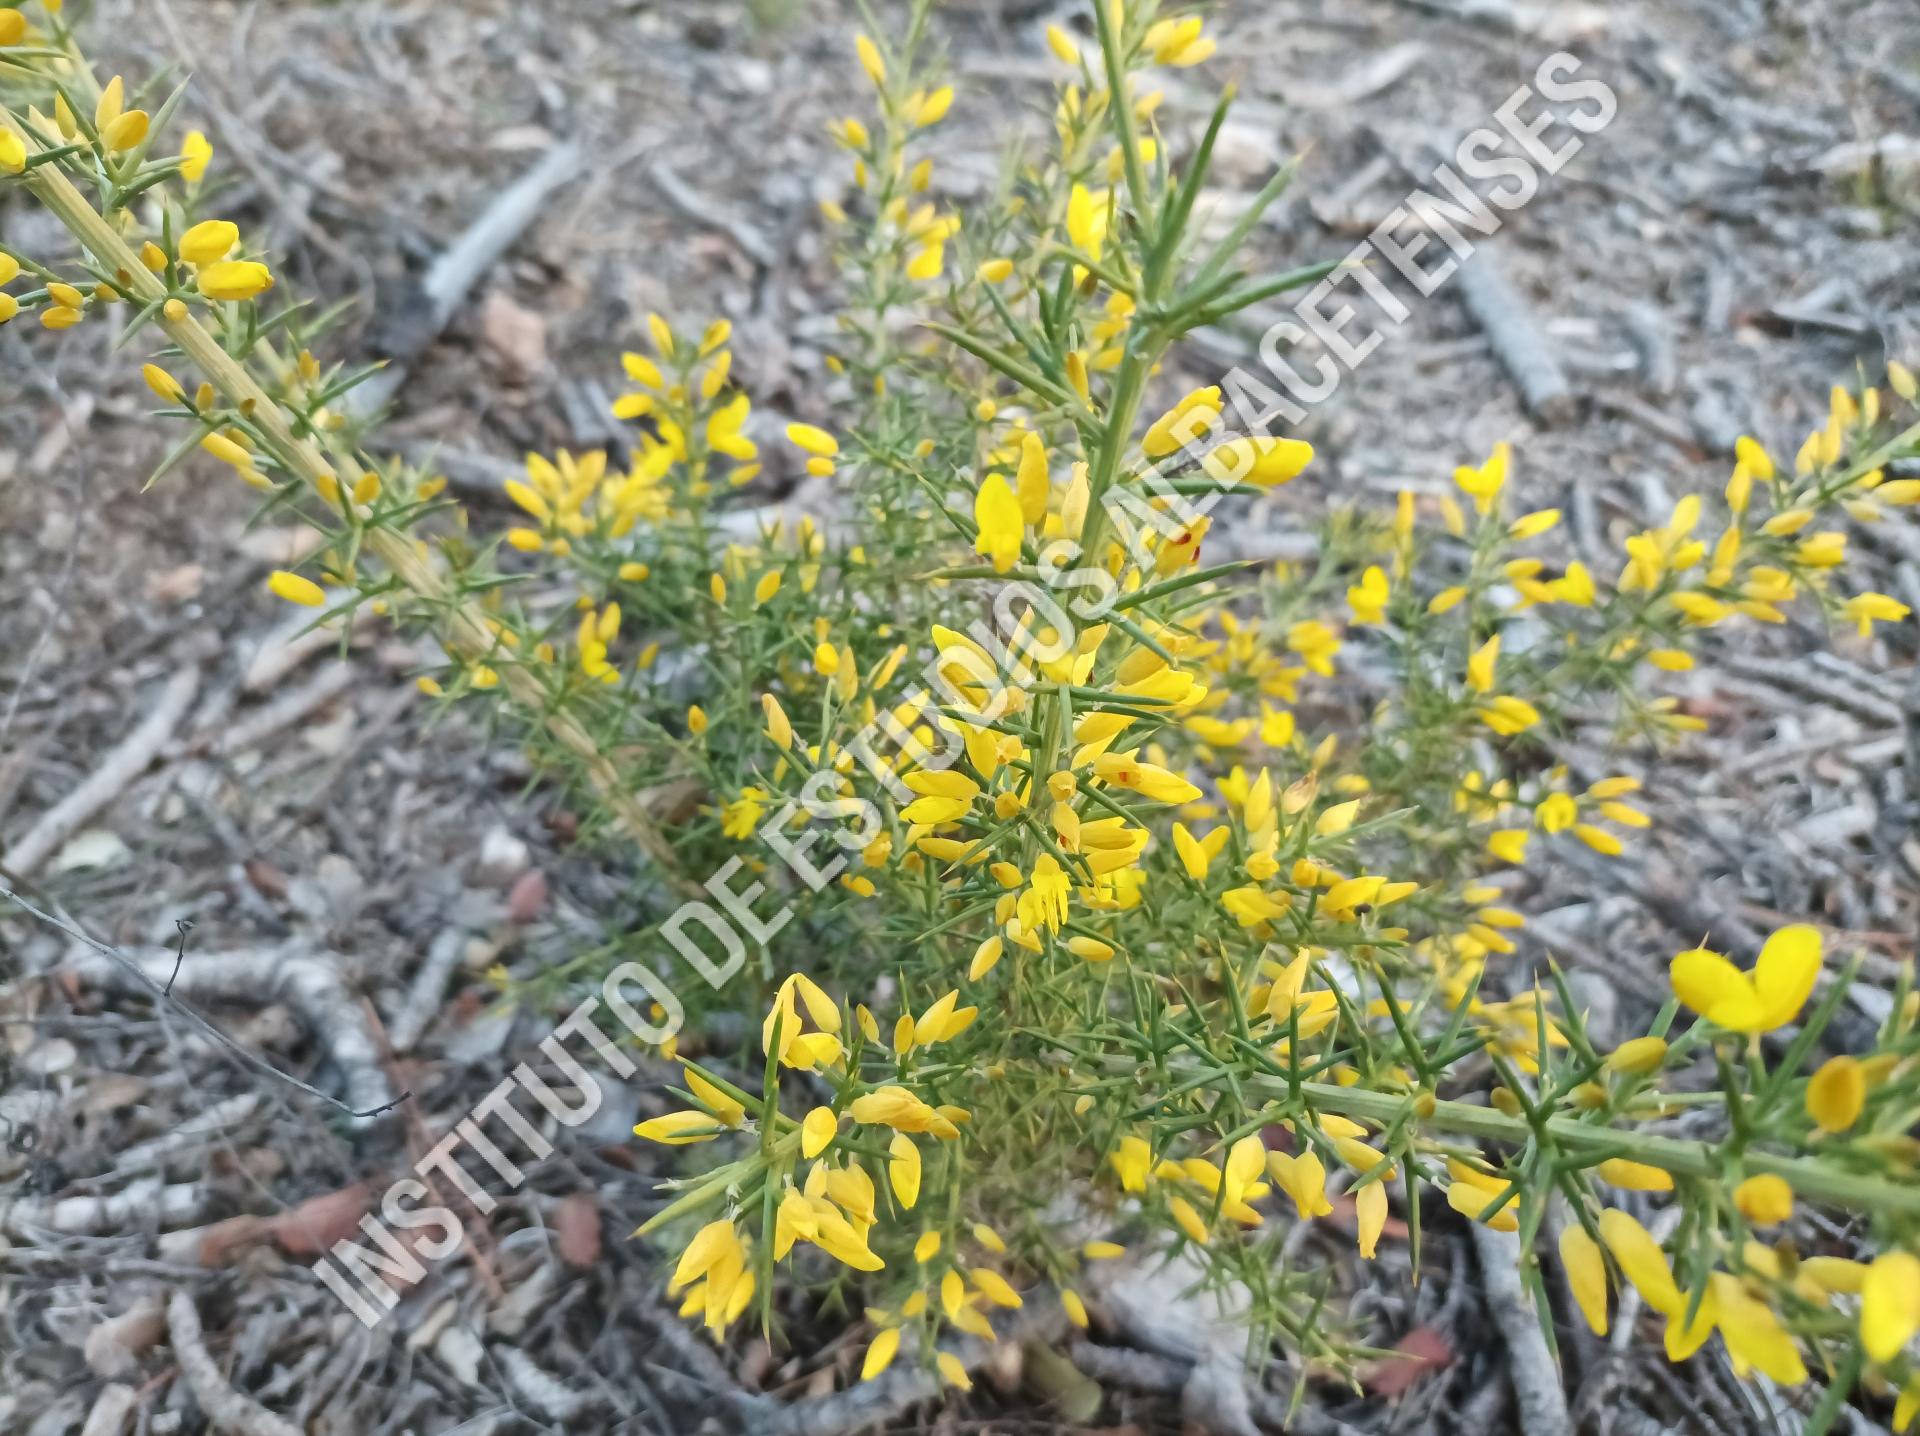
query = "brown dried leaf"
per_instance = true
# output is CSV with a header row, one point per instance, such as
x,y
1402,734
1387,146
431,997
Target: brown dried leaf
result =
x,y
576,1230
516,334
527,896
224,1241
112,1348
317,1223
267,880
1420,1351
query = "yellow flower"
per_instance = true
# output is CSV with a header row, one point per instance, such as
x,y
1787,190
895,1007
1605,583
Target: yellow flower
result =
x,y
1188,1220
894,1107
295,589
1183,424
1634,1176
880,1354
1304,1179
1044,903
1586,1274
1370,1211
1177,42
1368,598
1075,1308
994,1287
1641,1261
209,241
1836,1093
1753,1334
1764,1200
816,1131
996,510
677,1129
1509,845
1767,998
1132,1160
1481,664
1907,1405
714,1244
1638,1056
903,1169
195,152
1086,220
1149,780
1483,484
778,728
870,59
813,440
1556,813
1863,610
1264,463
235,280
1890,1304
953,1370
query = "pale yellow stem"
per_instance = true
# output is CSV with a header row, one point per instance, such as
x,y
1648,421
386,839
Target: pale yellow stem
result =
x,y
465,629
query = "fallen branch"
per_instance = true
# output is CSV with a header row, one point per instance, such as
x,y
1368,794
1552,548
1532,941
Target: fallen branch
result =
x,y
425,993
1168,1310
125,763
1536,1380
309,984
113,967
451,277
225,1408
141,1203
112,1411
1166,1375
286,710
704,211
1493,303
228,1112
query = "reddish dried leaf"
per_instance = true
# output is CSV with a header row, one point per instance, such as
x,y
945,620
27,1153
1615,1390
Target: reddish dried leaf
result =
x,y
527,896
516,334
267,880
317,1223
1419,1352
576,1230
223,1241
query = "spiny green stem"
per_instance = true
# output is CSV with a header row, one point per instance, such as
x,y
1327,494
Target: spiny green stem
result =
x,y
1676,1155
466,631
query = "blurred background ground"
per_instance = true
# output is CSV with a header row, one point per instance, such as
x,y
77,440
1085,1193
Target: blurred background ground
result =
x,y
1739,238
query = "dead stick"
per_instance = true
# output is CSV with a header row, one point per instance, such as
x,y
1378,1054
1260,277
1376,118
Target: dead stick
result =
x,y
140,976
125,763
1536,1380
451,277
226,1409
1496,306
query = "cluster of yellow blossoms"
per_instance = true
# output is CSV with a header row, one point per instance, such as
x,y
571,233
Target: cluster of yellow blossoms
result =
x,y
1241,988
1183,919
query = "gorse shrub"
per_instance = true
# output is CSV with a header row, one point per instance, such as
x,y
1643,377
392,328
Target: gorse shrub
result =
x,y
1101,898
